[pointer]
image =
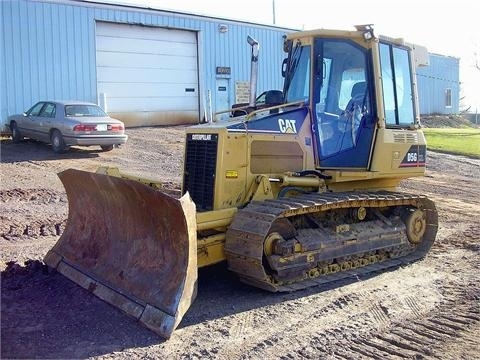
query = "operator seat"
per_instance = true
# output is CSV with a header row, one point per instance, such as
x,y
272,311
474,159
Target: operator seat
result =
x,y
353,114
357,95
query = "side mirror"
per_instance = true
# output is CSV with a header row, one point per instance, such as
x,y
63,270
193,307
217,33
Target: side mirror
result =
x,y
284,67
25,114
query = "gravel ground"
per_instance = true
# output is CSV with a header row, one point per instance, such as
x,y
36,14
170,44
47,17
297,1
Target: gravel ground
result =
x,y
426,310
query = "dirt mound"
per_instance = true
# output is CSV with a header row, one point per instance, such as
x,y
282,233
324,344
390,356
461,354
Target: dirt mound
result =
x,y
440,121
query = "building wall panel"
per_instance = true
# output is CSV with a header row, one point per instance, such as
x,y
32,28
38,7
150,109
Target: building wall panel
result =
x,y
434,80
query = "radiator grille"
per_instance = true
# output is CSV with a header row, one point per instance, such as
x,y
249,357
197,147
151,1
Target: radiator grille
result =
x,y
199,172
405,138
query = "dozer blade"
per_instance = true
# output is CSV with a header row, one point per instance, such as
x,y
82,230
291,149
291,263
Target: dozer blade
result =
x,y
131,245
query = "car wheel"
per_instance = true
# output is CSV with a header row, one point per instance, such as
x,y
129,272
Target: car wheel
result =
x,y
58,144
16,134
106,147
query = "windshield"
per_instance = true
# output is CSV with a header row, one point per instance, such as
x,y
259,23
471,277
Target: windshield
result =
x,y
297,84
84,110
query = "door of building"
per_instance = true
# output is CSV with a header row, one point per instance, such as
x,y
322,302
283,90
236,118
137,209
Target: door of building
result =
x,y
222,100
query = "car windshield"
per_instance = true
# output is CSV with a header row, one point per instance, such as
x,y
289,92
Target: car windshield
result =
x,y
84,110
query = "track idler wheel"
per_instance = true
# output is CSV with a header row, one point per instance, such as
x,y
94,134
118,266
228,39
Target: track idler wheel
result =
x,y
416,224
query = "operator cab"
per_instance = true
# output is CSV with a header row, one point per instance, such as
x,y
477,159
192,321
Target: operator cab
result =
x,y
335,76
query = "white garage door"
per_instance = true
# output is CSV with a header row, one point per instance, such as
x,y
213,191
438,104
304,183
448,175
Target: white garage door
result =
x,y
147,75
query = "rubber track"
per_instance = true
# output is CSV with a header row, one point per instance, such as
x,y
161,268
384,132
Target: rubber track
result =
x,y
251,225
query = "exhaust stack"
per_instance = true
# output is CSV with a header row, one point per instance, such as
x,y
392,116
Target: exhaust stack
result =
x,y
254,70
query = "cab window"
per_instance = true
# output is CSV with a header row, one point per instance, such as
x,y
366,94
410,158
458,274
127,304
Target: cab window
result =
x,y
299,83
397,85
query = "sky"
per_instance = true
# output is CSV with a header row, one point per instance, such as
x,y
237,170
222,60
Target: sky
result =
x,y
446,27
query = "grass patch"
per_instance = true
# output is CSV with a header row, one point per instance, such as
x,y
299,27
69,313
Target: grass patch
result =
x,y
462,141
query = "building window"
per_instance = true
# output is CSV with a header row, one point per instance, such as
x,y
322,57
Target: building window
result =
x,y
448,98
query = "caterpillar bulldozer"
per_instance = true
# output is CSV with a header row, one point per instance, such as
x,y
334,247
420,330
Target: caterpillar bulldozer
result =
x,y
294,195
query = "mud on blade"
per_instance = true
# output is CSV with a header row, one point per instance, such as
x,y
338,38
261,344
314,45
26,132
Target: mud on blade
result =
x,y
130,245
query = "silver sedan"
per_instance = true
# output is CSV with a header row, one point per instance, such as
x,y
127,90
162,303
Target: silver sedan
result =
x,y
63,124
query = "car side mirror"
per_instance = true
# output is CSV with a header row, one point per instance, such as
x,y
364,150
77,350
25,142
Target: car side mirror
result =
x,y
25,114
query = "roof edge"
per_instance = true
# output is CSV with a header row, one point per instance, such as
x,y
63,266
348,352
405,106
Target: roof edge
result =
x,y
140,7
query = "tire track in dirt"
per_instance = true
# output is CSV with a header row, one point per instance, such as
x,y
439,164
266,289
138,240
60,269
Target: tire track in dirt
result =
x,y
38,195
437,191
31,213
322,316
384,335
425,334
242,322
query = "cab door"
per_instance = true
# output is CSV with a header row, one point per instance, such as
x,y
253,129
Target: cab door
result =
x,y
342,103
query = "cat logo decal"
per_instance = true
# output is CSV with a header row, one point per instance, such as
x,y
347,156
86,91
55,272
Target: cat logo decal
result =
x,y
287,126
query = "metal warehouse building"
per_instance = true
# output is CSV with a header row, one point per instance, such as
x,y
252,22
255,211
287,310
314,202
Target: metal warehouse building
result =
x,y
145,66
150,67
439,85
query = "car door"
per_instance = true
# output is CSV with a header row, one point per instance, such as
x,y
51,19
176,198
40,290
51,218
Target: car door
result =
x,y
46,121
29,125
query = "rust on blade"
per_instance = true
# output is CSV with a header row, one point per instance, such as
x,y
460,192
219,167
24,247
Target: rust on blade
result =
x,y
131,245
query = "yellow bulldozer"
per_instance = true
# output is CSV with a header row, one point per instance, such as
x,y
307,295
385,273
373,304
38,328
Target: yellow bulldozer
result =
x,y
292,195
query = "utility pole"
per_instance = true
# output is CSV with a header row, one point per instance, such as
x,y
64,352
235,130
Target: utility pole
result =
x,y
273,10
